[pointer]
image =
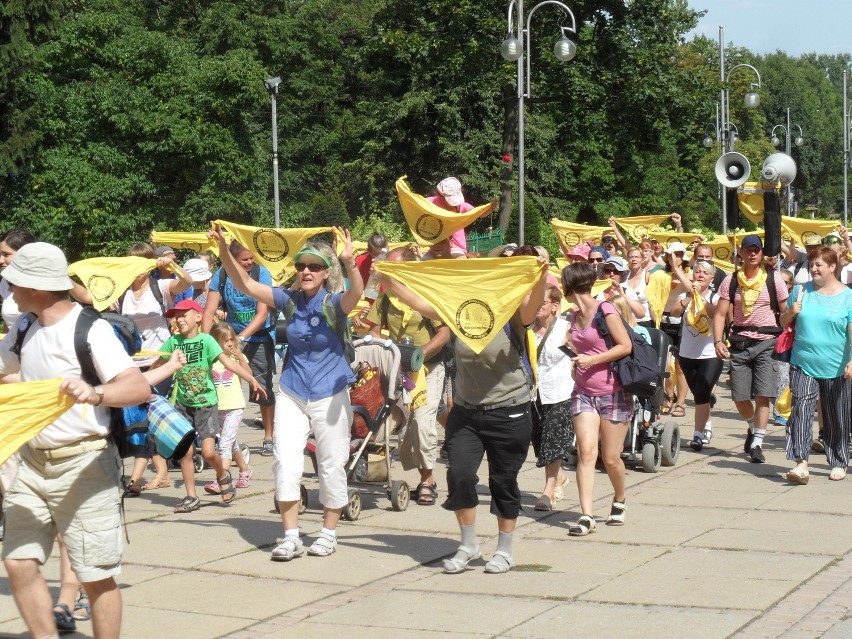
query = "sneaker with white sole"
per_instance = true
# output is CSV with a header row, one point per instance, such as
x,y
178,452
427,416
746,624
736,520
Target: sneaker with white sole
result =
x,y
324,545
288,549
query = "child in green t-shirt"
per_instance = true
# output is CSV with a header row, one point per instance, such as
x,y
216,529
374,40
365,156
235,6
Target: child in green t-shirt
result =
x,y
196,397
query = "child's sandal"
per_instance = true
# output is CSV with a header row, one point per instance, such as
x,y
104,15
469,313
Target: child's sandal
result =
x,y
227,488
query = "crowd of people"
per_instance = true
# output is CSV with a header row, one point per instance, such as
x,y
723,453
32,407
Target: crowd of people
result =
x,y
208,327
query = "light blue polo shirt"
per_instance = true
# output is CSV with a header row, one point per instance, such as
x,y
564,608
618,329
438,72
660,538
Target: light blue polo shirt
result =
x,y
316,367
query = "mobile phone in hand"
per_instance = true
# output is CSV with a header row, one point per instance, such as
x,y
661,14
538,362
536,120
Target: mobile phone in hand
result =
x,y
567,350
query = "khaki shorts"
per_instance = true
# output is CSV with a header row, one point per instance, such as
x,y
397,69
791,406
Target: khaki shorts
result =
x,y
753,371
77,497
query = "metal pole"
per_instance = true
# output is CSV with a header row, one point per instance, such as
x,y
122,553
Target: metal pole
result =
x,y
845,153
521,34
274,94
789,148
724,128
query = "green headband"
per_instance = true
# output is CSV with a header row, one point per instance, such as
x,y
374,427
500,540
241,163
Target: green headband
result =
x,y
312,251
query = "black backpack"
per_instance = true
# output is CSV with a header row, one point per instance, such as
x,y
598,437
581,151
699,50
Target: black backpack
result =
x,y
639,372
772,289
128,425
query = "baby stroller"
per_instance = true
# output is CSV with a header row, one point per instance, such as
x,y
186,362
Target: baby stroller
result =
x,y
651,442
369,463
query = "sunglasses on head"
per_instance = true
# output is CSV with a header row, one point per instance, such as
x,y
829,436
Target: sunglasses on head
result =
x,y
831,240
596,259
313,268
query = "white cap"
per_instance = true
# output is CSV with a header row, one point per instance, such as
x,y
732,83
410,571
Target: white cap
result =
x,y
198,269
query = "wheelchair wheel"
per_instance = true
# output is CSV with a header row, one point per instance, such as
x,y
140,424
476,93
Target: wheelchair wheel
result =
x,y
399,495
198,460
651,457
352,510
670,443
246,451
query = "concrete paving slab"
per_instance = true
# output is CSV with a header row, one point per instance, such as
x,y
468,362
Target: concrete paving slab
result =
x,y
437,612
586,619
712,578
313,630
665,496
819,496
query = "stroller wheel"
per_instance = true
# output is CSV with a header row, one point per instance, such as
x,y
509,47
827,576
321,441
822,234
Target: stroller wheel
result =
x,y
352,510
246,451
651,457
199,462
399,495
303,500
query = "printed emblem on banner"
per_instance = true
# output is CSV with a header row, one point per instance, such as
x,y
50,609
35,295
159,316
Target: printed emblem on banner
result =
x,y
723,253
101,287
475,319
270,245
570,238
641,229
428,227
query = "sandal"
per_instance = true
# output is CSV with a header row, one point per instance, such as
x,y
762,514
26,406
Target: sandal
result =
x,y
616,514
188,504
427,494
133,487
799,475
83,604
458,562
543,503
500,563
583,526
559,491
666,408
212,488
837,474
244,477
678,411
65,621
324,545
157,482
229,494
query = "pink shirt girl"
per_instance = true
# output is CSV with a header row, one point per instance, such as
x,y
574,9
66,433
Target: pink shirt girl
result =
x,y
597,380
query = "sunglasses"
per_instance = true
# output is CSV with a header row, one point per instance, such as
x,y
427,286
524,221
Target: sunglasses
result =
x,y
596,259
609,271
831,240
313,268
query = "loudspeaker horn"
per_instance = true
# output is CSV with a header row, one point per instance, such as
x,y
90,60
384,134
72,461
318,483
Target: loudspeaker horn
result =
x,y
779,167
732,169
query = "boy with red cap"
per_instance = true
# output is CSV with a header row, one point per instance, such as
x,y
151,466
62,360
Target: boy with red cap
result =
x,y
196,396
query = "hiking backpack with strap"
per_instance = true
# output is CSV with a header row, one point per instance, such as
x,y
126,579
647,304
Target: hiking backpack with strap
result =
x,y
772,290
638,372
128,425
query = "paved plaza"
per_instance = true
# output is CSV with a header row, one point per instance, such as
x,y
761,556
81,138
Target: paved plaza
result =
x,y
713,547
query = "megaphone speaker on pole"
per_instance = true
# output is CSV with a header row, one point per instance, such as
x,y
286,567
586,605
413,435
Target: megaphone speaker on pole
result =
x,y
732,169
778,167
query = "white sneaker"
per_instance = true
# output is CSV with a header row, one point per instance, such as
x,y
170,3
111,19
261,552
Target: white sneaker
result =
x,y
707,436
290,548
324,545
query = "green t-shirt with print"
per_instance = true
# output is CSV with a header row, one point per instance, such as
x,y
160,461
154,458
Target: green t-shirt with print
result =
x,y
194,381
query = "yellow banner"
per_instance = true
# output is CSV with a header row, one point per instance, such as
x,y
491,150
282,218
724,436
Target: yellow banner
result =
x,y
273,248
429,223
197,242
750,198
26,408
805,231
572,234
359,248
639,225
106,278
465,293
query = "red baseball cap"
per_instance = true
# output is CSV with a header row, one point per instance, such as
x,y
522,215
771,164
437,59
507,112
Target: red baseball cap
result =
x,y
184,305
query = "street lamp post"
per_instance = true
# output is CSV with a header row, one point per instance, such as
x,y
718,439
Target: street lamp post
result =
x,y
846,158
788,145
512,49
752,101
271,85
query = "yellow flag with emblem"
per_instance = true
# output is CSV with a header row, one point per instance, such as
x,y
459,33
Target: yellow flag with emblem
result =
x,y
639,225
273,248
106,278
475,298
572,233
359,248
198,242
805,231
429,223
26,408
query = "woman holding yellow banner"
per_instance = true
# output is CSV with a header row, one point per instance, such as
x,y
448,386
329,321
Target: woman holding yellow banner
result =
x,y
491,414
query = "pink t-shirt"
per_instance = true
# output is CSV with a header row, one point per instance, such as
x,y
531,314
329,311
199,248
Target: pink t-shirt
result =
x,y
599,379
458,241
762,314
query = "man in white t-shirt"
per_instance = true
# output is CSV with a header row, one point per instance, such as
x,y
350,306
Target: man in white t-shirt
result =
x,y
68,479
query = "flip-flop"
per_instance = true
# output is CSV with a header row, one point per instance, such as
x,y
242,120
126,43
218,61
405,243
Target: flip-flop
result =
x,y
543,503
156,483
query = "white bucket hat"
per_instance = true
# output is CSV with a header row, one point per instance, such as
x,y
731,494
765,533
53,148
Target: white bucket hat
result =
x,y
40,266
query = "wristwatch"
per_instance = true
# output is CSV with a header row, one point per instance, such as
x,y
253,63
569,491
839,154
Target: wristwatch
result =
x,y
99,391
241,338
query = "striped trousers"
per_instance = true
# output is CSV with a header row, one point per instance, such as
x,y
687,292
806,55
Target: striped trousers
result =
x,y
835,397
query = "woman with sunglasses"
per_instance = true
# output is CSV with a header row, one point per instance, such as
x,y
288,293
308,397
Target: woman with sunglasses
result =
x,y
637,280
313,393
697,357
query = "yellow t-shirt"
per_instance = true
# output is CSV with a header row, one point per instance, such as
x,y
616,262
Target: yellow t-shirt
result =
x,y
229,390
